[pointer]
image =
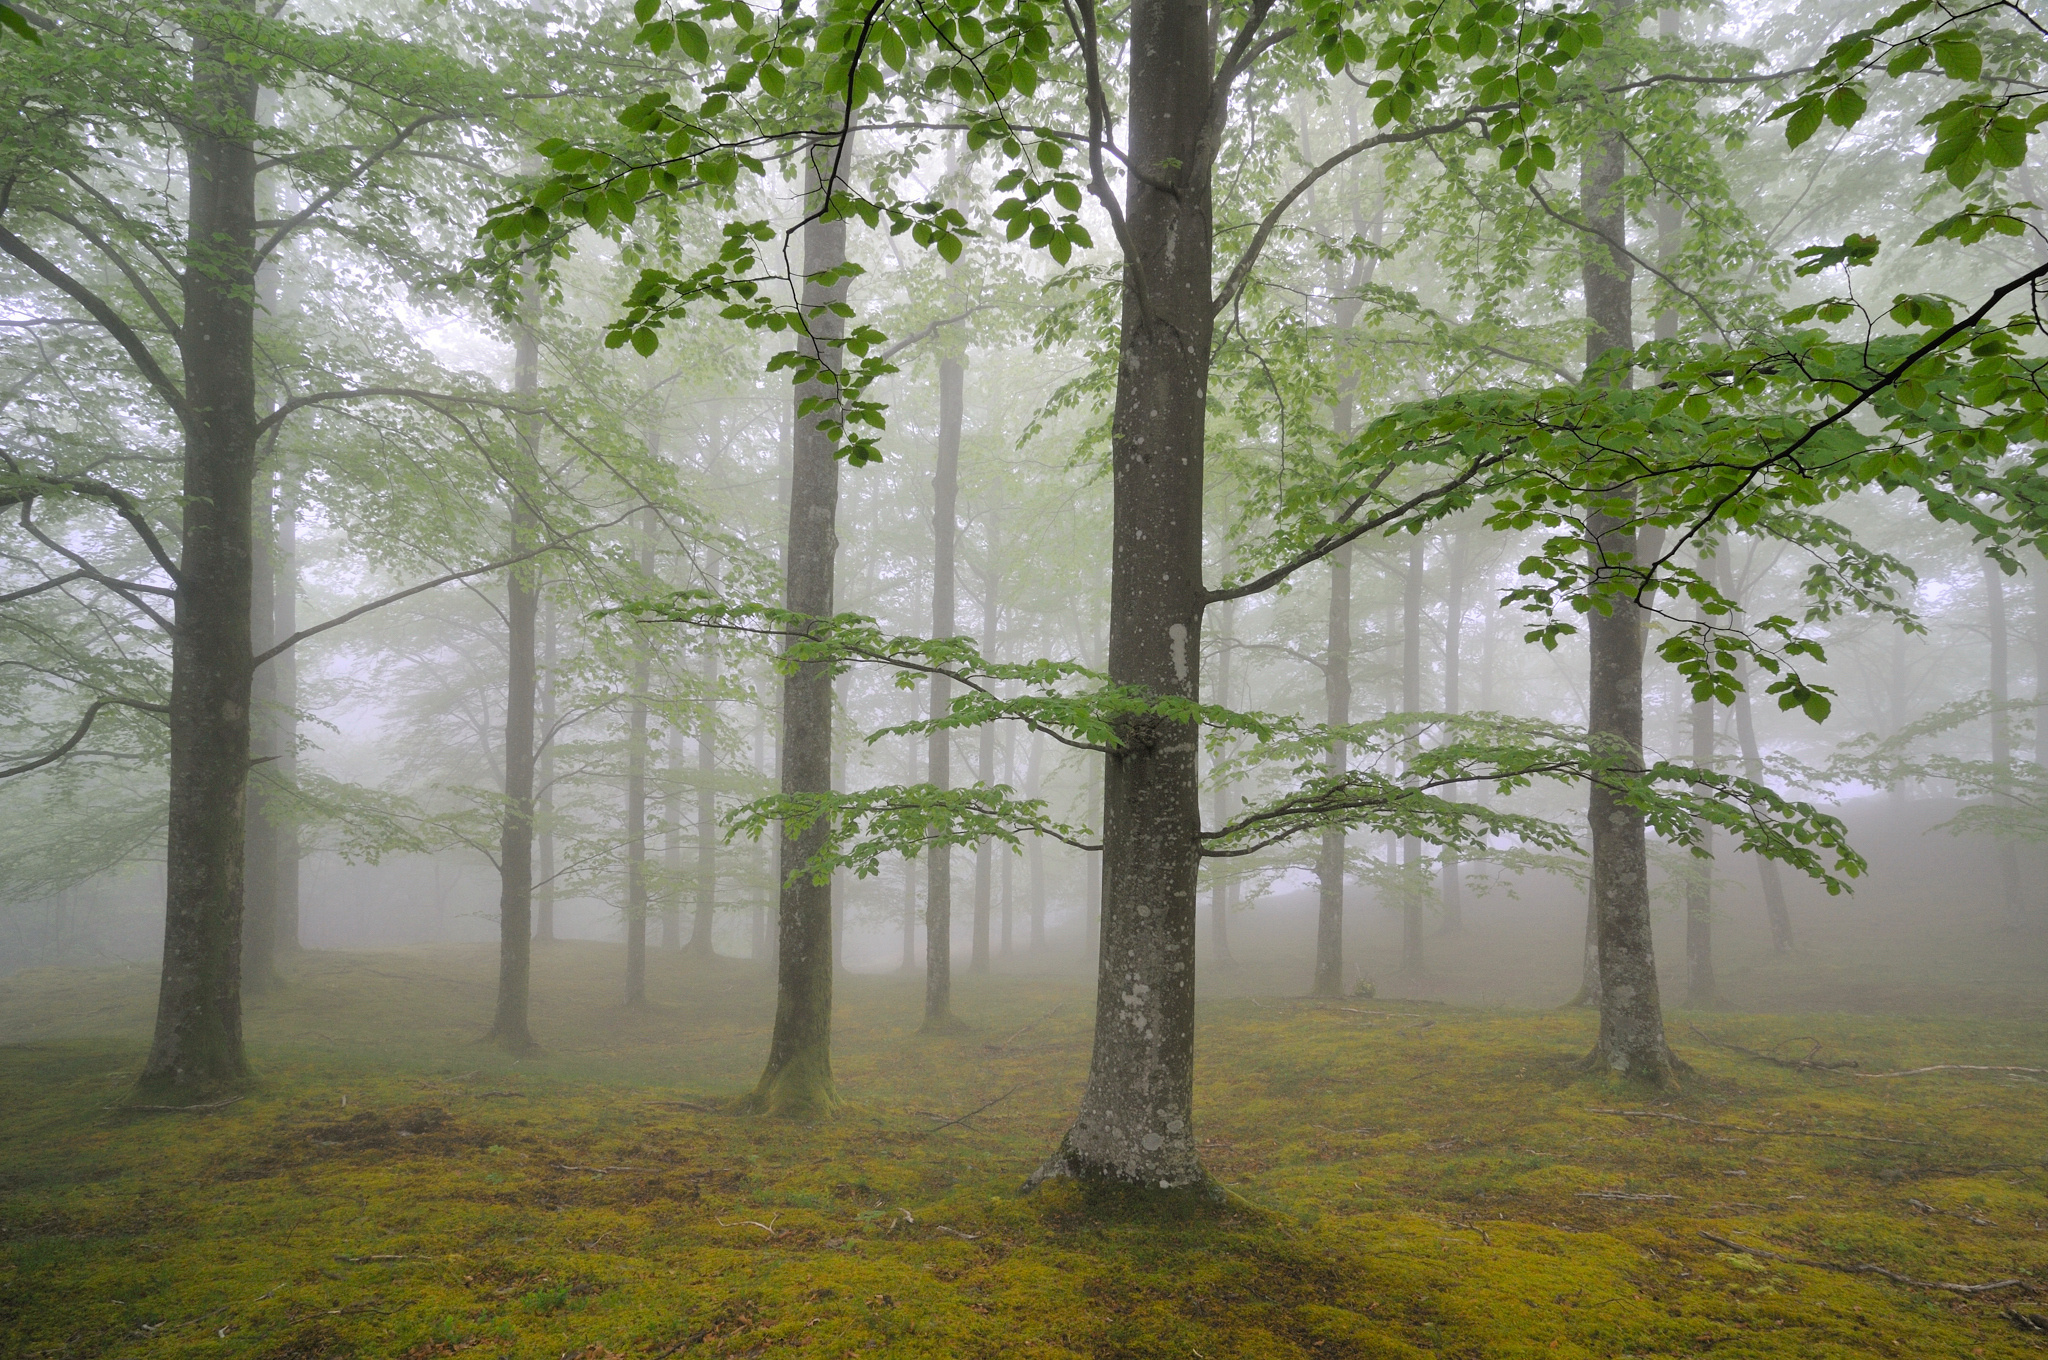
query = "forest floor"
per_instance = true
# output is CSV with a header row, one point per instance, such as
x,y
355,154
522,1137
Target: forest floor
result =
x,y
1405,1179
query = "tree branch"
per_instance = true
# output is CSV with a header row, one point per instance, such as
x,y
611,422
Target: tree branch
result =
x,y
78,734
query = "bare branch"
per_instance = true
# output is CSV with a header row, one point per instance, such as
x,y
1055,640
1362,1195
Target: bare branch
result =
x,y
78,734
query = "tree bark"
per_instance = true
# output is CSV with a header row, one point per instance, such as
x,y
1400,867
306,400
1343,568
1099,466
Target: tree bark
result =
x,y
2001,730
510,1029
985,760
259,833
1775,910
1701,990
672,843
938,899
1219,886
544,796
701,941
636,791
1631,1042
1454,638
1036,790
1411,701
284,726
1136,1121
198,1039
1329,974
1009,858
797,1080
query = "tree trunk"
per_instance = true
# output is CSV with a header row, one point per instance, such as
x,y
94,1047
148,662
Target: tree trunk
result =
x,y
1631,1040
1775,909
798,1078
938,899
636,792
1411,701
1136,1122
1454,637
1329,975
509,1030
284,738
672,843
701,942
1219,886
198,1039
2001,730
259,833
1700,988
984,766
1009,858
544,797
1035,790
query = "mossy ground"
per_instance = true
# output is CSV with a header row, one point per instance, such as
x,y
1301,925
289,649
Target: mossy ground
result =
x,y
1408,1180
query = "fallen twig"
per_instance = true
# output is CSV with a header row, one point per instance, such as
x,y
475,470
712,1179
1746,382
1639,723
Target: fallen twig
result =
x,y
1004,1046
180,1109
1864,1268
1624,1195
1955,1067
359,1260
1809,1061
768,1227
699,1106
971,1113
498,1095
955,1232
598,1170
1767,1133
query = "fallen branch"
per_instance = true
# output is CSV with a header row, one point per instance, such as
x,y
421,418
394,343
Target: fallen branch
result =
x,y
1955,1067
360,1260
1624,1195
1004,1046
180,1109
768,1227
599,1170
1864,1268
955,1232
1808,1061
699,1106
971,1113
1767,1133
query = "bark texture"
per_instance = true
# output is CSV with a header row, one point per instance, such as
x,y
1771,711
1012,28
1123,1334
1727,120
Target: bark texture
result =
x,y
2001,729
1329,974
197,1044
1700,988
938,904
1631,1042
797,1080
1411,701
1222,883
1136,1122
636,792
702,919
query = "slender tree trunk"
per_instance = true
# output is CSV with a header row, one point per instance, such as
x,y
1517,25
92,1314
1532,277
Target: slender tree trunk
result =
x,y
672,843
636,791
1136,1121
1700,988
798,1078
2001,730
509,1030
198,1039
284,740
1411,701
1775,910
701,942
1631,1040
1329,975
1037,851
1219,884
984,766
1009,859
1454,639
544,796
938,898
259,833
2040,639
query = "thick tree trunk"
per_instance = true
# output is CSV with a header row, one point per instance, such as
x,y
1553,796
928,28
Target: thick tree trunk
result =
x,y
1454,638
1411,701
544,775
636,793
1219,887
510,1030
797,1080
1631,1039
1136,1122
198,1039
701,944
2001,730
1329,974
938,899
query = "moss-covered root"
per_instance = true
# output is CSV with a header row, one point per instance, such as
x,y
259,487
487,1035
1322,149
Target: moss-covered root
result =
x,y
799,1088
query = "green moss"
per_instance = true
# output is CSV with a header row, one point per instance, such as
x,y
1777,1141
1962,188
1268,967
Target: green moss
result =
x,y
390,1187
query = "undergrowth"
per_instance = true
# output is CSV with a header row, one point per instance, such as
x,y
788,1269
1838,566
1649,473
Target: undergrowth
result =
x,y
1402,1180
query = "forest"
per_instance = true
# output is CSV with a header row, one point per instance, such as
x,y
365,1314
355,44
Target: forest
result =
x,y
947,678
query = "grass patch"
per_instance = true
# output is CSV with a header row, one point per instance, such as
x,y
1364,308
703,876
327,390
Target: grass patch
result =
x,y
1402,1181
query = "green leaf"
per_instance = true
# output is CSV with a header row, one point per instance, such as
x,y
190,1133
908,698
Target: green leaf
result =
x,y
16,23
645,10
690,36
1959,58
1846,105
1805,120
1908,59
1068,193
2005,142
645,342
